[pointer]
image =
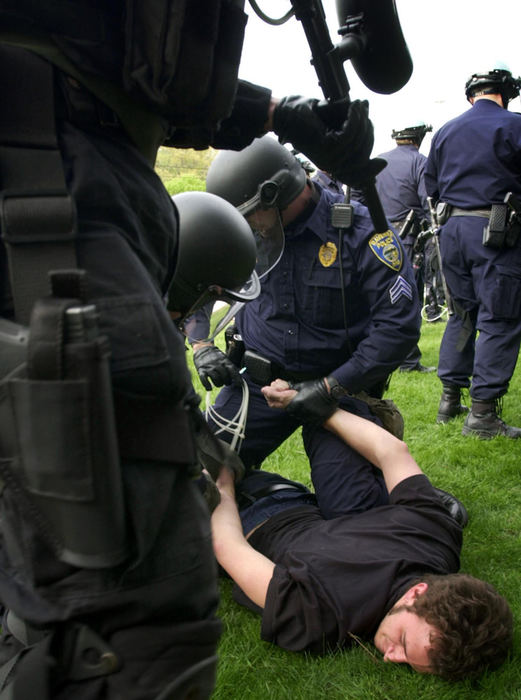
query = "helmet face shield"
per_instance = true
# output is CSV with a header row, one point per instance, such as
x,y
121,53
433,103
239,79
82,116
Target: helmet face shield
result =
x,y
263,216
268,231
216,307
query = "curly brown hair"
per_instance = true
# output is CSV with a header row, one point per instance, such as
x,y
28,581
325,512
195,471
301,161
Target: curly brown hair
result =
x,y
474,625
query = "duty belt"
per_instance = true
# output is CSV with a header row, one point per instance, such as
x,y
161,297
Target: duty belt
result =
x,y
457,211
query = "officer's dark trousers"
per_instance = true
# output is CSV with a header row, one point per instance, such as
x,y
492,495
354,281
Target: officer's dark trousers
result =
x,y
157,609
337,471
486,283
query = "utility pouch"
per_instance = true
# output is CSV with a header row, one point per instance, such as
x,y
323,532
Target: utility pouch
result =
x,y
234,345
63,445
259,368
494,235
443,212
387,411
514,220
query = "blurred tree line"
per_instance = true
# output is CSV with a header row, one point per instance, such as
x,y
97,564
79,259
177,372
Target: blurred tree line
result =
x,y
183,169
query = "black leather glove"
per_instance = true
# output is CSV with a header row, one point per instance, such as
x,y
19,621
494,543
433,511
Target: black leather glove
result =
x,y
212,363
313,403
343,151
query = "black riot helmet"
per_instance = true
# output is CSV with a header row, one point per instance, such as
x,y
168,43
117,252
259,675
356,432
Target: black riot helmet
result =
x,y
216,255
415,133
265,173
498,81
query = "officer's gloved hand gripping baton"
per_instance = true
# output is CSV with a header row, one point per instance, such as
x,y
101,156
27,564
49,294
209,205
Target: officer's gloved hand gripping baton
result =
x,y
372,39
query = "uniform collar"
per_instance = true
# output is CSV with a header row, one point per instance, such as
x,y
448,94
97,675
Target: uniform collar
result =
x,y
486,104
319,220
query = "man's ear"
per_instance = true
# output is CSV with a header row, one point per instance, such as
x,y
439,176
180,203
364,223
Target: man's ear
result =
x,y
415,591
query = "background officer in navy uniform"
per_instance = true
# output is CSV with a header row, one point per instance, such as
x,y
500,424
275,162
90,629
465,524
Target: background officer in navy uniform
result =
x,y
401,187
113,98
339,304
474,161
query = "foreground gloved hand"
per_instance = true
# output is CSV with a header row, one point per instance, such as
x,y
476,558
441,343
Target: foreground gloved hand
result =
x,y
313,402
344,151
212,363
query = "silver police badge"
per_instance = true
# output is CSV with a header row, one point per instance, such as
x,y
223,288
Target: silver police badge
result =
x,y
387,249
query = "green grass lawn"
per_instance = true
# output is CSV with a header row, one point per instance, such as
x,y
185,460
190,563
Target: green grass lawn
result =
x,y
485,475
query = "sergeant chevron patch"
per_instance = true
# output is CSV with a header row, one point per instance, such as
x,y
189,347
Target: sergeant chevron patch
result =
x,y
387,249
400,288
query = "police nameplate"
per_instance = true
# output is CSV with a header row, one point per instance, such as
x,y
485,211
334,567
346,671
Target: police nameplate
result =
x,y
327,254
387,249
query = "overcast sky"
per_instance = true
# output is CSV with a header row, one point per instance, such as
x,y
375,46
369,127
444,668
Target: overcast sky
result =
x,y
448,41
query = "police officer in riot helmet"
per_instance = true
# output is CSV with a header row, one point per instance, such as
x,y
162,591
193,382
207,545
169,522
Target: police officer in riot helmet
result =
x,y
236,179
473,168
300,328
205,273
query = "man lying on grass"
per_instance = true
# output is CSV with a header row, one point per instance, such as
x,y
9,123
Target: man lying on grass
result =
x,y
384,571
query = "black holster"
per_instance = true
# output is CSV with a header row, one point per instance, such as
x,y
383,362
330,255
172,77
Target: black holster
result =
x,y
59,447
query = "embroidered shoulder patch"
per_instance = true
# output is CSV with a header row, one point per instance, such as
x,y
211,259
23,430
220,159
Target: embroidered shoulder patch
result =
x,y
327,254
387,249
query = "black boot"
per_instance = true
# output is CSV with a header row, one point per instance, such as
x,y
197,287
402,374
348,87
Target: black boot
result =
x,y
485,422
450,404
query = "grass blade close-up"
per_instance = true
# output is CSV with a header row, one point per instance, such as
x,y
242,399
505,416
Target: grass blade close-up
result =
x,y
485,475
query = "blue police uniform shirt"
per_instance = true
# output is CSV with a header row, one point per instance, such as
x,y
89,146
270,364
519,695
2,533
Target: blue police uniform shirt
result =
x,y
401,184
326,180
297,321
468,171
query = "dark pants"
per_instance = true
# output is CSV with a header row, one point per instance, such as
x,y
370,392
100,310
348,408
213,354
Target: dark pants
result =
x,y
485,285
341,477
360,493
157,610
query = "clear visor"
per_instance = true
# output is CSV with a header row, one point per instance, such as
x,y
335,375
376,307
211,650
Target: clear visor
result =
x,y
264,219
215,309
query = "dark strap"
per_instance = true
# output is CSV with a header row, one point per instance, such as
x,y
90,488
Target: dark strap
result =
x,y
484,213
247,498
37,214
272,488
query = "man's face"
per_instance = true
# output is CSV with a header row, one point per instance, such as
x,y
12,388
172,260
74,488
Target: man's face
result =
x,y
405,638
263,220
